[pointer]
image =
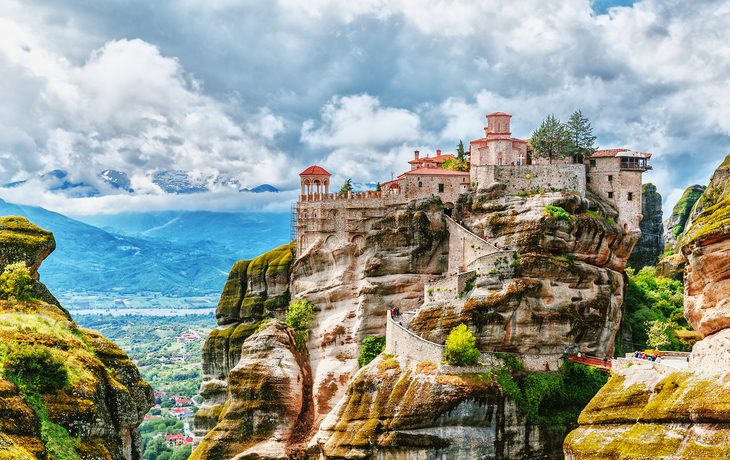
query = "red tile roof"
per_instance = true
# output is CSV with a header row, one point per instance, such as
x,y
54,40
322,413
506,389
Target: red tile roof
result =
x,y
434,172
499,114
605,153
315,171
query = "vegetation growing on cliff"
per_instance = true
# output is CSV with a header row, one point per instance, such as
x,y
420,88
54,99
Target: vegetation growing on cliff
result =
x,y
460,347
551,399
371,347
299,317
15,282
648,299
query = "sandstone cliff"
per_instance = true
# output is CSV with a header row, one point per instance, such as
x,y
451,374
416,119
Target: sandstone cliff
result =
x,y
404,410
566,290
675,224
268,407
651,244
95,414
255,288
672,413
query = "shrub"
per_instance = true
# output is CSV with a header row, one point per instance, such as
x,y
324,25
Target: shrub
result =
x,y
300,317
371,347
460,349
556,212
35,366
15,281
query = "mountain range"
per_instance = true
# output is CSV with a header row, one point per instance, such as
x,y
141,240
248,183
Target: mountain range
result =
x,y
175,253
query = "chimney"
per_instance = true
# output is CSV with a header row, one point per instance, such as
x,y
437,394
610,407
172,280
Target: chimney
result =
x,y
438,152
416,152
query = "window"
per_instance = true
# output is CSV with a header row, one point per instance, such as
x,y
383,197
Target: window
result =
x,y
631,196
441,188
610,194
420,184
588,180
593,163
610,178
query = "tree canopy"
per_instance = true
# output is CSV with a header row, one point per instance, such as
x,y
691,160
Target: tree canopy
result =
x,y
460,150
581,134
347,187
551,140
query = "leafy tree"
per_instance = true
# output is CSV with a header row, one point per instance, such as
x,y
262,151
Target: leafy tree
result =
x,y
378,188
371,347
658,333
455,164
347,187
581,136
15,281
460,150
299,317
460,349
181,453
550,140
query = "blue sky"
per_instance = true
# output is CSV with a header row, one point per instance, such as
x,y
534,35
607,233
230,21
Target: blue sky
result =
x,y
250,92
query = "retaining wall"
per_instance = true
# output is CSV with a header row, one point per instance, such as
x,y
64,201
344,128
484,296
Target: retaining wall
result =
x,y
465,247
401,342
446,288
569,177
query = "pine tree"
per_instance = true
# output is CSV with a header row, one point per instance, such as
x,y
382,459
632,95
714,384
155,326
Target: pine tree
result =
x,y
347,187
460,150
550,140
581,136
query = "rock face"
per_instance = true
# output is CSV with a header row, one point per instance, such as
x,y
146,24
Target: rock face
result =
x,y
651,244
267,411
675,224
97,413
655,410
353,287
395,410
254,288
567,290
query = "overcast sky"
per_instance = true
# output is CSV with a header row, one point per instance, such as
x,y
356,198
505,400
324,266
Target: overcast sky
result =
x,y
258,91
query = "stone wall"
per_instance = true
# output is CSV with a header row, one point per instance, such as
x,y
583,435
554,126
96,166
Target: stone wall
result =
x,y
403,343
569,177
427,185
465,247
485,264
446,288
621,188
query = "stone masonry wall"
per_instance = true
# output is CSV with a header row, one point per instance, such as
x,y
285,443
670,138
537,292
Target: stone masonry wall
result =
x,y
404,343
569,177
465,247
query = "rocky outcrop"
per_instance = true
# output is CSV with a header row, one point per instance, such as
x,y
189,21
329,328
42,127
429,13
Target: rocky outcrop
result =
x,y
676,414
651,244
405,410
675,224
95,414
254,289
353,286
671,267
267,411
567,287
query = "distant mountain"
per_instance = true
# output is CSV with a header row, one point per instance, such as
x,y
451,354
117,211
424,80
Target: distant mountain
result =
x,y
174,253
180,182
117,179
58,180
261,188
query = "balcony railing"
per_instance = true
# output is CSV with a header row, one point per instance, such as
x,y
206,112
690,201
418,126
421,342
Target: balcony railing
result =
x,y
638,166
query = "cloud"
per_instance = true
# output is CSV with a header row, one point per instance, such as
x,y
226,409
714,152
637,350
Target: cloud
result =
x,y
261,90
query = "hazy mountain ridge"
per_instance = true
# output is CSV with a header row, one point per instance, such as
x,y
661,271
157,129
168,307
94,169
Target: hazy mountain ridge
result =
x,y
191,256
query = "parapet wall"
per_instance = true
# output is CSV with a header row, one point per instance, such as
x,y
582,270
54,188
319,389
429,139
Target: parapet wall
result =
x,y
568,177
465,247
446,288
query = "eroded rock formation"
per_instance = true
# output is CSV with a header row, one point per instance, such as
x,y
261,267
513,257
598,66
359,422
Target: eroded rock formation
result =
x,y
654,410
97,413
267,411
403,410
568,287
675,224
651,244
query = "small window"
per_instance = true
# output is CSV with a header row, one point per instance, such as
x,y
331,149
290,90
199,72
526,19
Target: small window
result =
x,y
610,178
441,188
610,194
420,184
593,163
588,180
631,196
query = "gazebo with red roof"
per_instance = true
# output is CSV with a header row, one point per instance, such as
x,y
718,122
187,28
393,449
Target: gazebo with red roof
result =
x,y
315,180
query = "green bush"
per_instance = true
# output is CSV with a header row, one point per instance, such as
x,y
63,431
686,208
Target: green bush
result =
x,y
371,347
35,366
15,281
556,212
460,349
299,317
